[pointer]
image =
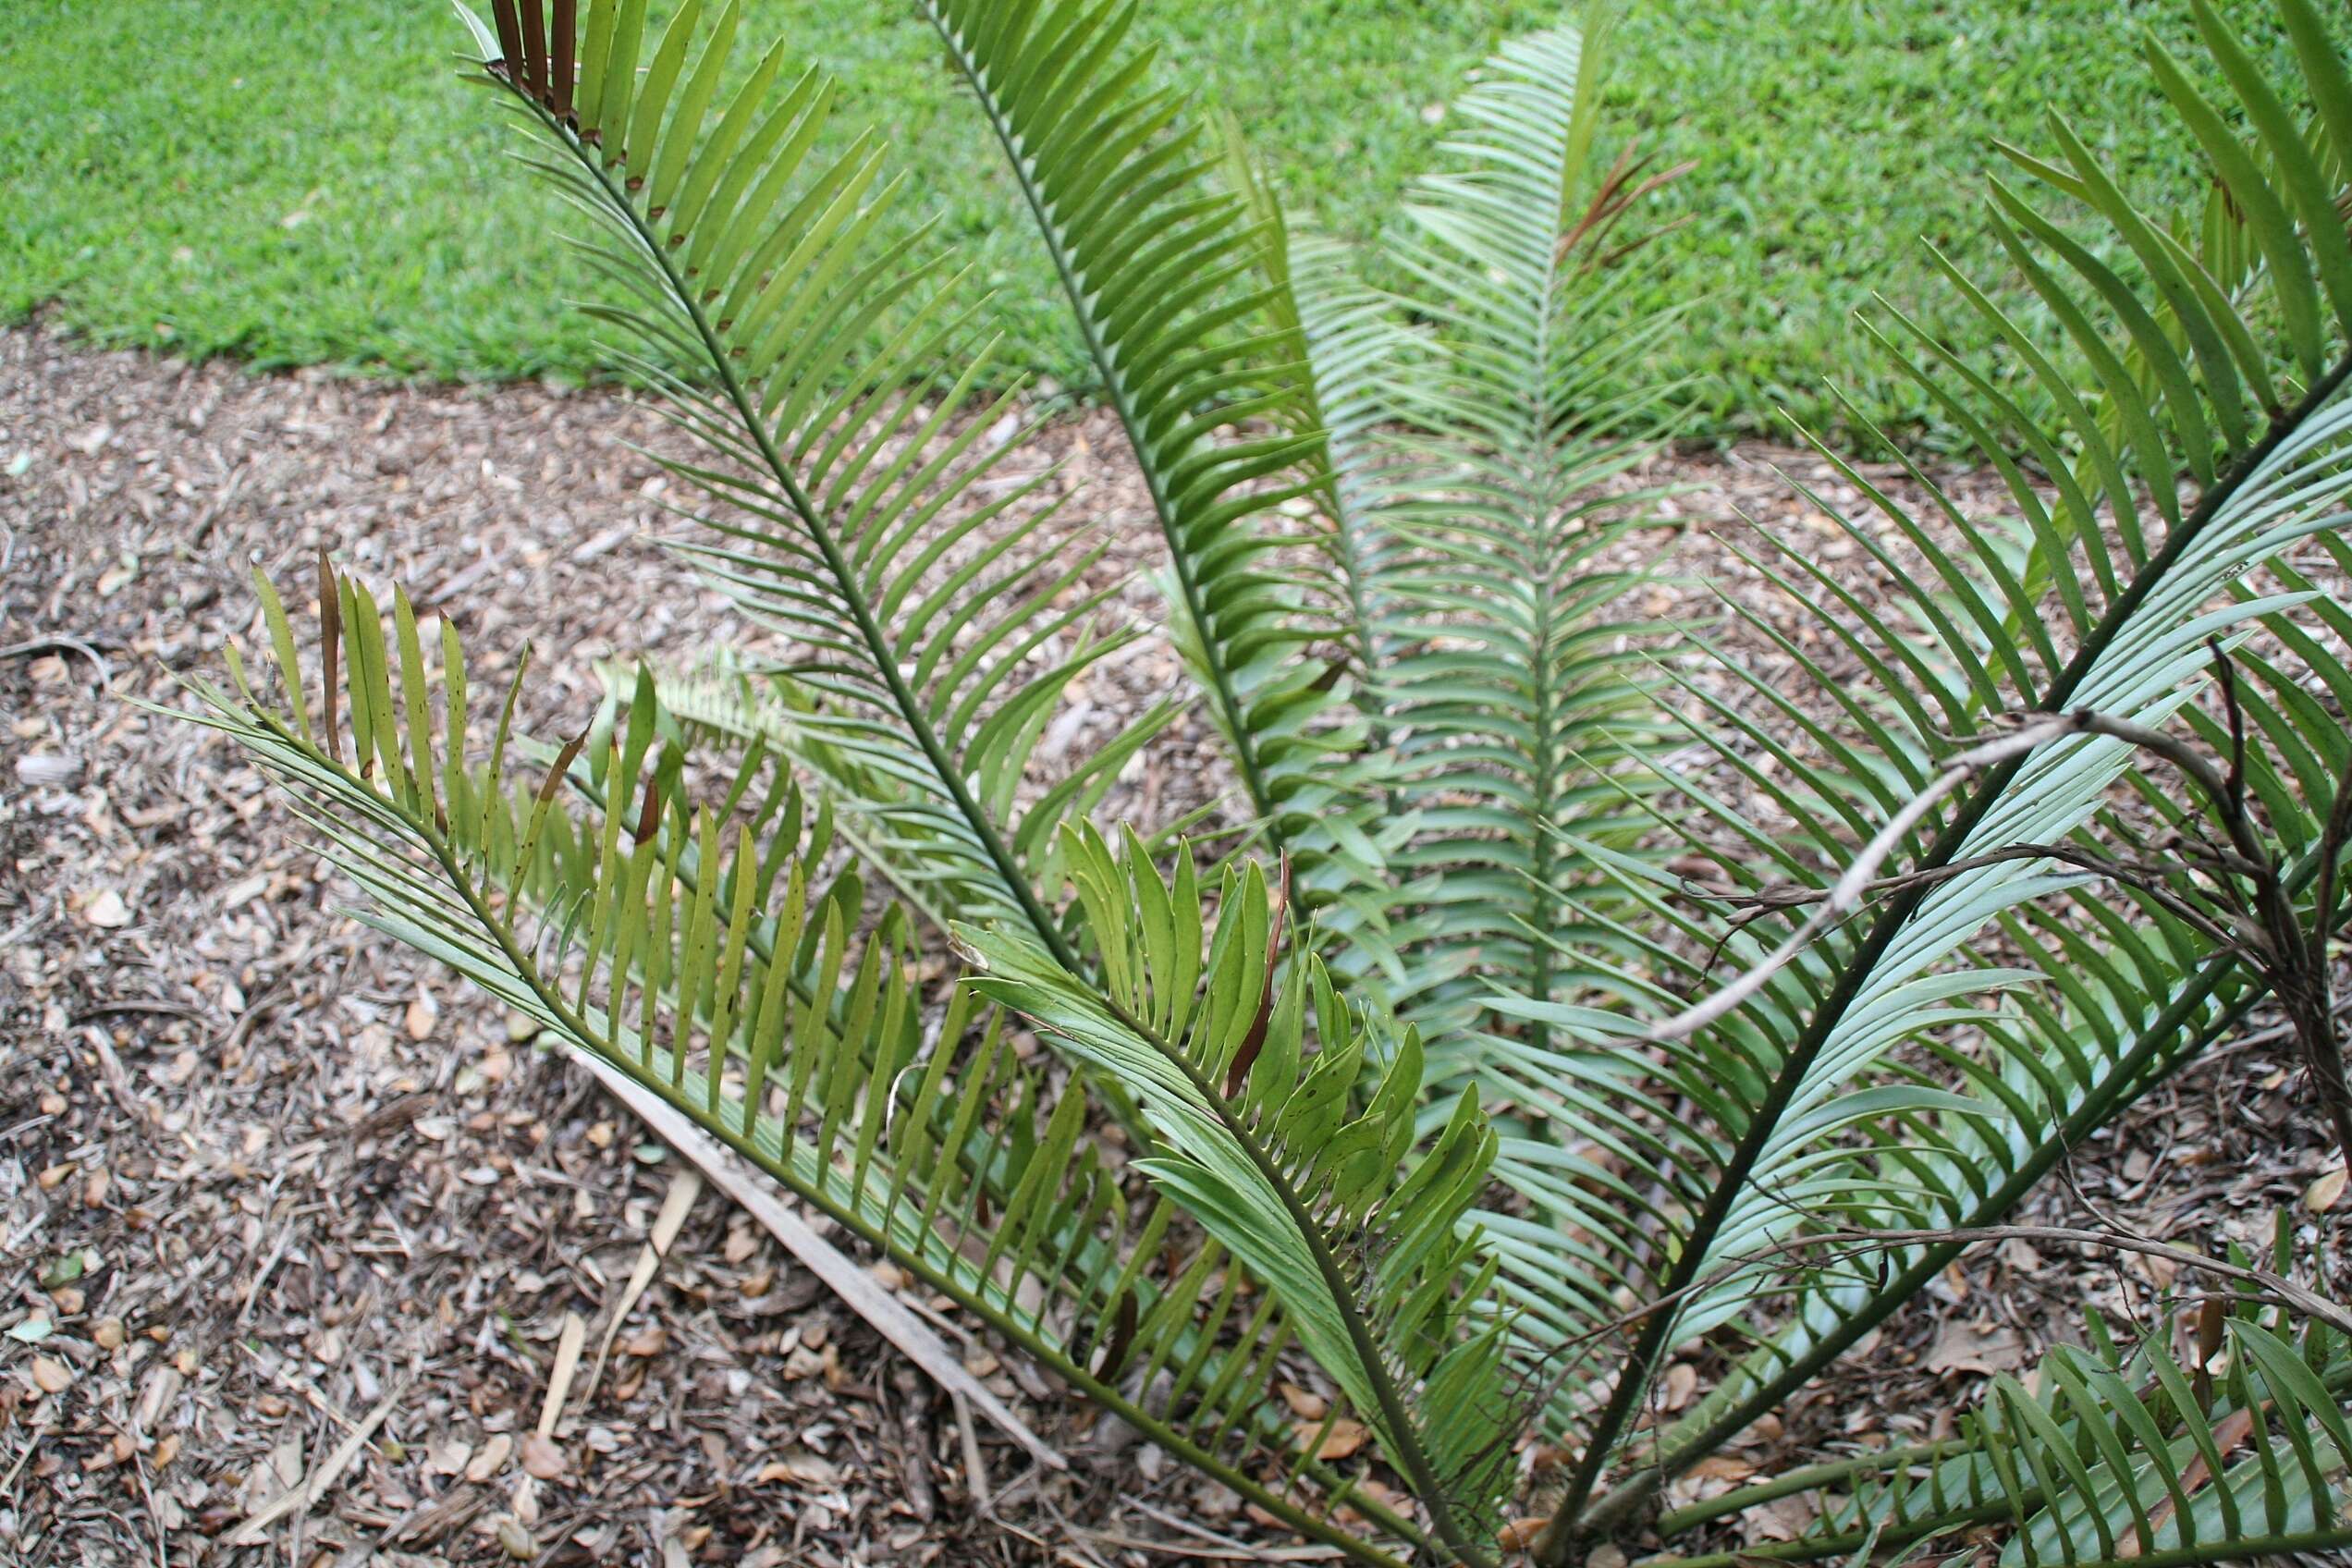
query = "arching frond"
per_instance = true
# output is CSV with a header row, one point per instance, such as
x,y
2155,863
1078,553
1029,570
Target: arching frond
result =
x,y
738,702
1162,272
694,947
1268,1145
1918,1067
1514,692
934,612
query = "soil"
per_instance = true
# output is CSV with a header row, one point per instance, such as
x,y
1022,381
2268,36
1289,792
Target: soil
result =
x,y
272,1190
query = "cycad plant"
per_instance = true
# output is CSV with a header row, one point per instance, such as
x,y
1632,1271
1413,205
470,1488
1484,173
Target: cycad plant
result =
x,y
1559,997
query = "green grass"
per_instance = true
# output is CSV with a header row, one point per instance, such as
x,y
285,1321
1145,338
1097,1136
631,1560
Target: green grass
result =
x,y
305,184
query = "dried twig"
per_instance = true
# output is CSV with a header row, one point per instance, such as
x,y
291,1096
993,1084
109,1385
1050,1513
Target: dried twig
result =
x,y
1846,893
856,1288
57,643
2148,877
676,1204
300,1498
575,1334
2242,904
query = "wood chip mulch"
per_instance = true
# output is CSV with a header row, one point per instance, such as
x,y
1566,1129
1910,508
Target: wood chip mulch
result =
x,y
281,1208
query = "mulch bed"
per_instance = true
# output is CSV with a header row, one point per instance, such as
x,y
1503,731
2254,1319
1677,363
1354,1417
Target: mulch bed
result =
x,y
267,1182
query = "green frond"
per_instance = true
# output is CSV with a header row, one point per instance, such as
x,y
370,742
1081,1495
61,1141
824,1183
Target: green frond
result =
x,y
1513,678
1403,549
840,507
2235,1456
693,945
737,703
1163,274
1919,1067
1272,1148
1357,353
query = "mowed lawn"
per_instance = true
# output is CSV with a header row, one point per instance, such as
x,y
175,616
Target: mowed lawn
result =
x,y
305,183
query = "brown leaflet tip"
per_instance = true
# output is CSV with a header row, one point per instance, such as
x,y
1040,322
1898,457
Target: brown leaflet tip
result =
x,y
1255,1041
510,25
2210,1317
564,30
649,812
563,765
1123,1337
330,647
1281,910
534,49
